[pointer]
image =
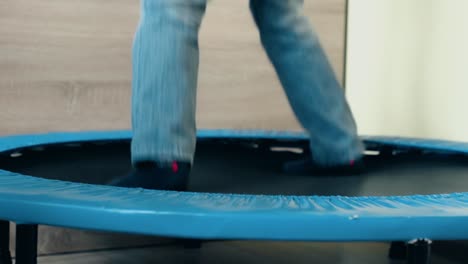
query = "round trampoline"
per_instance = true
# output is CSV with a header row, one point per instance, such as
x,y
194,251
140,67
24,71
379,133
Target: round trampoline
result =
x,y
413,191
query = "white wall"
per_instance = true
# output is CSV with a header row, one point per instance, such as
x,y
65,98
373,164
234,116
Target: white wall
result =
x,y
408,67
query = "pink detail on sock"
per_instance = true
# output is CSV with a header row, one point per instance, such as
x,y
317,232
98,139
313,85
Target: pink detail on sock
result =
x,y
175,167
351,163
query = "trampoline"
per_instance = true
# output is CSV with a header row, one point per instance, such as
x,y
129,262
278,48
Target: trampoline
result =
x,y
412,193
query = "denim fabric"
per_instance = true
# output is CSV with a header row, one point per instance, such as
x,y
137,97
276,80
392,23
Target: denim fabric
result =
x,y
165,71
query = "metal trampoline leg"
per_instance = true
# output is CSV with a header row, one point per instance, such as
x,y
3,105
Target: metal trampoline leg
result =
x,y
26,244
5,257
192,243
419,251
398,251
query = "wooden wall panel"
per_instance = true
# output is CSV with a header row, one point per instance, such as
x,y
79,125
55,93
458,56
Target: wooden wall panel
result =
x,y
65,65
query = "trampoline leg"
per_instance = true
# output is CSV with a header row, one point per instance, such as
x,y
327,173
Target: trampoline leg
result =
x,y
398,251
192,243
419,251
5,257
26,244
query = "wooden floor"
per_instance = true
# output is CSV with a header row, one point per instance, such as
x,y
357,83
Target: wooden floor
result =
x,y
240,252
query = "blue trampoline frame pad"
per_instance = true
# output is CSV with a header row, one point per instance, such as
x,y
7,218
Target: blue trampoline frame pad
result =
x,y
31,200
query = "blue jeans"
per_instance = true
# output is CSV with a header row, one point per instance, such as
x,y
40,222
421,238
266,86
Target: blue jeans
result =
x,y
165,72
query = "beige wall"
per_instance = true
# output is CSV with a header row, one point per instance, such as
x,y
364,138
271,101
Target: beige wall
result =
x,y
407,67
65,65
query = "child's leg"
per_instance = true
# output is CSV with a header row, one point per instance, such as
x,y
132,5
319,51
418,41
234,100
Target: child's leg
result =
x,y
309,81
165,70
